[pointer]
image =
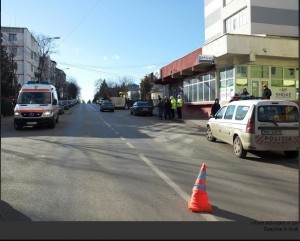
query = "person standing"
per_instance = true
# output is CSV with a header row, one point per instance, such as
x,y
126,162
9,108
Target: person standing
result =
x,y
266,93
173,103
245,94
215,107
179,106
160,106
167,110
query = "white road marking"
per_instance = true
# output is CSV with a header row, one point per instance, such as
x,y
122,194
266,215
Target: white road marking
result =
x,y
176,188
130,145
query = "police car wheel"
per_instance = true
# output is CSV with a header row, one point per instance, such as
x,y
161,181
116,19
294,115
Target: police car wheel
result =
x,y
238,148
209,135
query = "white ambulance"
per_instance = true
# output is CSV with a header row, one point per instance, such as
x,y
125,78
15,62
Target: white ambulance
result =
x,y
37,104
257,125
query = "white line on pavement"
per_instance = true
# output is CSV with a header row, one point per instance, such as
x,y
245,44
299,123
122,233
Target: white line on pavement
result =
x,y
177,189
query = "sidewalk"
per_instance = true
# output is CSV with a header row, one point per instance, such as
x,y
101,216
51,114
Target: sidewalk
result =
x,y
193,121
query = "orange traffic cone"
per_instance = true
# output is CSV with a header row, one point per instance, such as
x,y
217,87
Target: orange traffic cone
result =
x,y
199,199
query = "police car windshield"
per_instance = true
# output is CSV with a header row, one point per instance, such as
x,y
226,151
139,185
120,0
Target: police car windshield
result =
x,y
34,98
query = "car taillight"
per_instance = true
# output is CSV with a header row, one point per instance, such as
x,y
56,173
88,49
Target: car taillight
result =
x,y
250,126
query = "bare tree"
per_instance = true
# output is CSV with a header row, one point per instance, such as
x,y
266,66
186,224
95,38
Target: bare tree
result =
x,y
46,47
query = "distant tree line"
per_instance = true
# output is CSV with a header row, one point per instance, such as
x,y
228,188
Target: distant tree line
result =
x,y
105,89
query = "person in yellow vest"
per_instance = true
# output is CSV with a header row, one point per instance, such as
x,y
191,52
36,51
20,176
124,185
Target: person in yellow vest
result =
x,y
179,106
173,103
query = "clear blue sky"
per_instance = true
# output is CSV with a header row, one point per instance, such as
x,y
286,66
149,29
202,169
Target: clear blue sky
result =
x,y
110,39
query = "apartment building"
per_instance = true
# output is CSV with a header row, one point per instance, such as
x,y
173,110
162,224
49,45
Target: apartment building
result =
x,y
23,47
251,17
248,43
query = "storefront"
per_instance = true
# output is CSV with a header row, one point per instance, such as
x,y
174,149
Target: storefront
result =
x,y
227,66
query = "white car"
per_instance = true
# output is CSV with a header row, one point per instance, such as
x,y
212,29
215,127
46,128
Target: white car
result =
x,y
257,125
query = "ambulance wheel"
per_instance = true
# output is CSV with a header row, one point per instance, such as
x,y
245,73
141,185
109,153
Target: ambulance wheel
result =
x,y
239,151
17,127
291,154
52,124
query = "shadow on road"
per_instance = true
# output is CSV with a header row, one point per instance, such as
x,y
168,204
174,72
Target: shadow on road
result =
x,y
8,213
230,215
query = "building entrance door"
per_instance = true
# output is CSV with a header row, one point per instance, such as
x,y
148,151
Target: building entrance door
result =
x,y
257,86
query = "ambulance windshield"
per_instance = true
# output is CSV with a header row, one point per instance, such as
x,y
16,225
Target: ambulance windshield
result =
x,y
34,98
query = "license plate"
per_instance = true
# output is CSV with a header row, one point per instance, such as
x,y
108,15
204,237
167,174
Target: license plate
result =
x,y
31,123
145,109
271,132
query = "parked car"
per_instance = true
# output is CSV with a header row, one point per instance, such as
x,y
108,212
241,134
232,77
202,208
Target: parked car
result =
x,y
66,104
107,105
257,125
141,108
61,107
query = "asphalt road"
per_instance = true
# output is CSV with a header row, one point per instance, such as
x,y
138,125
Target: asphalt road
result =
x,y
111,166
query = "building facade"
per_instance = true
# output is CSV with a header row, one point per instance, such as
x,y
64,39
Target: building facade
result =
x,y
245,48
24,49
20,43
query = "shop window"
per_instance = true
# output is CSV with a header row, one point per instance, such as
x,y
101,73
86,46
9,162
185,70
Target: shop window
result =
x,y
277,82
289,83
241,82
289,73
276,73
241,71
206,91
265,72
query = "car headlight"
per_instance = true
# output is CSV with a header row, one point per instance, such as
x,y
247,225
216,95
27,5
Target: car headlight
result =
x,y
17,113
48,113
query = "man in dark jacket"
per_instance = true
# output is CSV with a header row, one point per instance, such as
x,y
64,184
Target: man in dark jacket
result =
x,y
267,92
215,107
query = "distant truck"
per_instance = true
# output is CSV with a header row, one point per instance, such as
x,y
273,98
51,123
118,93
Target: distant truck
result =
x,y
120,102
37,104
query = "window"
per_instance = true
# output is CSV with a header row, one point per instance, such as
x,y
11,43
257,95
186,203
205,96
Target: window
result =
x,y
276,73
200,88
241,112
280,114
236,21
226,83
226,2
259,72
229,112
277,76
220,113
289,73
12,37
241,71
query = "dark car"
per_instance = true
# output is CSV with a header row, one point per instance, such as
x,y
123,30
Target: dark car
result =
x,y
141,108
107,105
61,107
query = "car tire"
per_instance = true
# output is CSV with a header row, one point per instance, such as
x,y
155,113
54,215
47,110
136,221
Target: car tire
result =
x,y
291,154
238,148
52,124
209,135
17,127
